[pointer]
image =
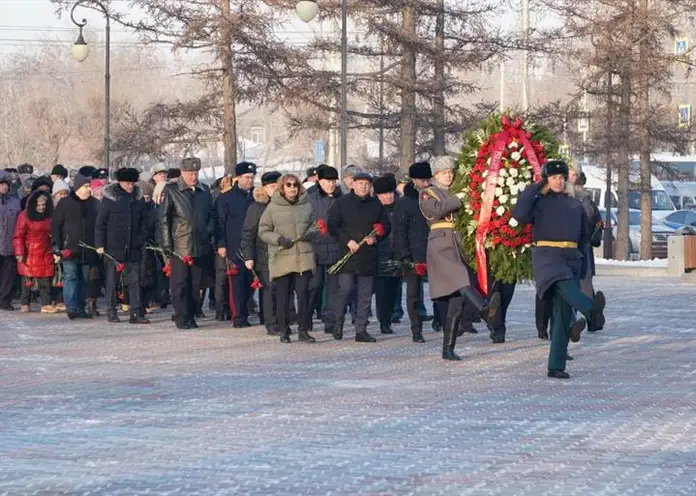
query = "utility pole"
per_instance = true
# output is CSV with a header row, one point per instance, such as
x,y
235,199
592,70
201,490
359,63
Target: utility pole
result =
x,y
229,132
525,60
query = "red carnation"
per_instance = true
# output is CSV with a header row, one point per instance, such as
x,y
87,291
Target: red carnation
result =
x,y
188,260
323,228
28,283
378,229
232,270
65,253
59,284
421,269
167,269
256,283
121,297
120,267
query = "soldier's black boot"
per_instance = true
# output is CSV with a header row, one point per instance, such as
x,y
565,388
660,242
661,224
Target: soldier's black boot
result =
x,y
488,310
417,333
597,314
112,316
305,337
449,339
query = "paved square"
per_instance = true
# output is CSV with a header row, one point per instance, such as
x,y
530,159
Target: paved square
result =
x,y
103,409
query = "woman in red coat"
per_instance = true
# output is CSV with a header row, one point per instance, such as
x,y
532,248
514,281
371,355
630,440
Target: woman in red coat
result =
x,y
32,247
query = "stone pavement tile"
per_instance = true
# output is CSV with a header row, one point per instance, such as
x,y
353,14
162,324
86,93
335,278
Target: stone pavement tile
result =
x,y
88,408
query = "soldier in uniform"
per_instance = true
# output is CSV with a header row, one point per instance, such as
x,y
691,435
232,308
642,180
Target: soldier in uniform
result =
x,y
559,232
447,271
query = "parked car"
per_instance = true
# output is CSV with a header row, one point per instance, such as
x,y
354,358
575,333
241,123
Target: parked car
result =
x,y
660,232
681,218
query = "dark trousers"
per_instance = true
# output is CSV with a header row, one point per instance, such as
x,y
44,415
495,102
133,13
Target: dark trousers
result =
x,y
507,291
322,282
75,286
565,296
362,285
241,290
96,278
186,287
130,278
414,300
543,309
283,289
267,301
398,312
44,284
8,274
385,295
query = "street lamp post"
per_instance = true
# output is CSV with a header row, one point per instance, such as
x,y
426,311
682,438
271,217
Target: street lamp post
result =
x,y
80,51
306,11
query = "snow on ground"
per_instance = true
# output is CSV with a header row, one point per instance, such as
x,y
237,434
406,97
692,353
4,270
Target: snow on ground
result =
x,y
655,262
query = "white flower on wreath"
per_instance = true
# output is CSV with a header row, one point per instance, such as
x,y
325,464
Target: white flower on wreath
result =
x,y
514,172
513,144
500,211
513,201
521,186
513,222
485,173
510,181
513,190
501,180
498,192
515,156
527,174
503,172
523,161
503,198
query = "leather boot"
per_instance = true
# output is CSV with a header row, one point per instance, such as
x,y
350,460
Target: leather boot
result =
x,y
305,337
338,330
136,318
112,316
449,339
417,334
488,310
285,336
220,316
597,315
91,307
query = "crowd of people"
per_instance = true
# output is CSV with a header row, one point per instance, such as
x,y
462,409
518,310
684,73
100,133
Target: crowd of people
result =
x,y
321,246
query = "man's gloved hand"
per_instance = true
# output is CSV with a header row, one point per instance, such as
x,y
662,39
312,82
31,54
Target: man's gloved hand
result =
x,y
285,242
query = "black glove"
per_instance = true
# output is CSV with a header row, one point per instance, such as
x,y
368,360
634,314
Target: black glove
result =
x,y
284,242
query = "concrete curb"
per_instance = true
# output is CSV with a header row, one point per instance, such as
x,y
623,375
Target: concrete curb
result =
x,y
627,271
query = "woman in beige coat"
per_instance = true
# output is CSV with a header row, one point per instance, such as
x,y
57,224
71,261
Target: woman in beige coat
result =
x,y
448,276
291,259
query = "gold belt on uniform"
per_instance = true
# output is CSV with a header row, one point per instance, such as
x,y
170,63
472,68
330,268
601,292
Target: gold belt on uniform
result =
x,y
557,244
442,225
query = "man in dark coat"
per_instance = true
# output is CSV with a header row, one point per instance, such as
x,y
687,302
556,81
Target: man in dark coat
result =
x,y
9,210
351,221
255,250
559,231
386,281
187,226
121,232
231,208
411,241
74,221
325,247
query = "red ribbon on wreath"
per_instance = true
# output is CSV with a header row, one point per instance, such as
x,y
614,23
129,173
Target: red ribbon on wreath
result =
x,y
509,129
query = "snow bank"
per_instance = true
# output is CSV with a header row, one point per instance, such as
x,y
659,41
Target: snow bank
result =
x,y
656,262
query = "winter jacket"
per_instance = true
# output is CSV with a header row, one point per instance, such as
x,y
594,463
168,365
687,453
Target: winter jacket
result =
x,y
32,239
353,218
385,249
253,247
9,210
325,247
291,221
187,219
121,226
74,221
231,211
554,217
410,228
447,269
593,218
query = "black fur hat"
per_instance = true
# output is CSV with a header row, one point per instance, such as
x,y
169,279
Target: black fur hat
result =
x,y
86,171
42,181
554,167
173,173
25,169
420,170
59,170
327,172
385,184
270,177
129,175
101,173
244,168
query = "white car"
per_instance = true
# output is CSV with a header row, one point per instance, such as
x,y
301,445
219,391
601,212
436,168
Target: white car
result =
x,y
660,232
